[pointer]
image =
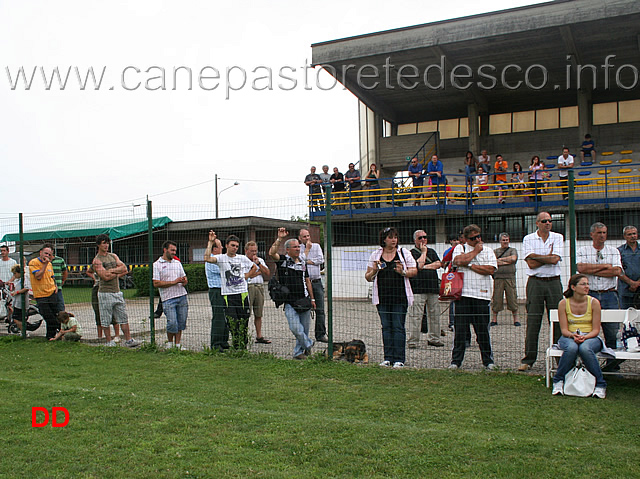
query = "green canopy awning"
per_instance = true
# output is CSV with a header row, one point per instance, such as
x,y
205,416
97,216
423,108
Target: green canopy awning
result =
x,y
114,228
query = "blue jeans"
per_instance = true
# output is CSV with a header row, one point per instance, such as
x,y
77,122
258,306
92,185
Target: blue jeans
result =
x,y
608,300
626,302
299,326
176,310
392,317
587,351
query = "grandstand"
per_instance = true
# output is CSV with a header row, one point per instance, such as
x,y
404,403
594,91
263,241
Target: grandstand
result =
x,y
519,82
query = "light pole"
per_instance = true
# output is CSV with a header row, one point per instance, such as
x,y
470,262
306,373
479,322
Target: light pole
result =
x,y
218,194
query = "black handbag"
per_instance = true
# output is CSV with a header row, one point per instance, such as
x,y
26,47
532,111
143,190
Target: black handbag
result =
x,y
302,305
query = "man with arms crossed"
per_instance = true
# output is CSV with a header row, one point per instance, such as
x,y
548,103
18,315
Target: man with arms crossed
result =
x,y
234,271
425,288
311,254
601,263
256,288
169,277
629,280
110,299
542,251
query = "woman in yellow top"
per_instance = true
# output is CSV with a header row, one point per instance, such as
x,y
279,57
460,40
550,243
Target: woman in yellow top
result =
x,y
579,316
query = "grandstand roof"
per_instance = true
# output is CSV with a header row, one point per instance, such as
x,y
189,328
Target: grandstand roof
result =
x,y
555,35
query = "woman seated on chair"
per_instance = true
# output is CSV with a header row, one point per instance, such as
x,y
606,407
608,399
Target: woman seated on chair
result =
x,y
579,317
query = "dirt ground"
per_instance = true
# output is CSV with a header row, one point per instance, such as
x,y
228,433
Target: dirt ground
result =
x,y
351,320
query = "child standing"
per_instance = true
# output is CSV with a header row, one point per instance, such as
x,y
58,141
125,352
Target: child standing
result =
x,y
20,295
69,327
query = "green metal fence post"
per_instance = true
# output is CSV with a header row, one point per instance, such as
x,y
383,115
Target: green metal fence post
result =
x,y
152,321
328,271
21,263
572,222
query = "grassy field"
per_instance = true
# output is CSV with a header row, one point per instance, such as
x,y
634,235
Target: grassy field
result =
x,y
82,294
180,414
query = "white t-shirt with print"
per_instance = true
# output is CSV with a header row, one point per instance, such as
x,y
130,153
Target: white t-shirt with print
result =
x,y
232,271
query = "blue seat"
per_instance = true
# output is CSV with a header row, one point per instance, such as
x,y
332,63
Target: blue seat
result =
x,y
586,163
550,165
584,173
552,157
583,183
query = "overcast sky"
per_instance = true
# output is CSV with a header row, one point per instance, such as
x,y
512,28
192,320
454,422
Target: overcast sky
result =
x,y
64,150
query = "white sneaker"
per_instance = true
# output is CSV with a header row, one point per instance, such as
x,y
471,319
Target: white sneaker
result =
x,y
558,388
116,339
385,364
600,393
453,366
180,347
398,365
111,344
132,343
490,367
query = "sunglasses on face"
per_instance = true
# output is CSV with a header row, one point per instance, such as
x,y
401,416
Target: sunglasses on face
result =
x,y
474,238
422,237
545,221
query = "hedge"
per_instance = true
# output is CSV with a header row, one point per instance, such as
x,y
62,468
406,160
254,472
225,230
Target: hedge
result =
x,y
195,274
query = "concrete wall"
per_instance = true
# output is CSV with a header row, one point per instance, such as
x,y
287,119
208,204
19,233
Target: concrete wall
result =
x,y
352,285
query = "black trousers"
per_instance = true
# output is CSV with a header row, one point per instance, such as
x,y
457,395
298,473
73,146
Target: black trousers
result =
x,y
48,307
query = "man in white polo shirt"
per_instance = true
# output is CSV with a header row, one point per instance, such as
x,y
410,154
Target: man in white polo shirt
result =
x,y
169,277
478,264
602,265
542,251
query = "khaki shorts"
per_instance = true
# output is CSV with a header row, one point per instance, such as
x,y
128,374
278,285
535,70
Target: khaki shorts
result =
x,y
256,299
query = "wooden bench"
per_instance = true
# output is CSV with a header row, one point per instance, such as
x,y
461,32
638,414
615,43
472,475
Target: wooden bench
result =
x,y
608,316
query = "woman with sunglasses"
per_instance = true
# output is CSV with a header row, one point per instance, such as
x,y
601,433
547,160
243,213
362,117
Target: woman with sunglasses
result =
x,y
477,263
390,268
579,317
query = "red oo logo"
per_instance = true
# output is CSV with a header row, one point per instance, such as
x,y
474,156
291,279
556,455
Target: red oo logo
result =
x,y
54,417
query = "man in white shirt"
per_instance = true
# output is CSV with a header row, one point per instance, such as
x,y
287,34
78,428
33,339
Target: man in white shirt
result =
x,y
602,265
311,254
256,288
6,263
478,264
234,271
169,277
542,251
565,163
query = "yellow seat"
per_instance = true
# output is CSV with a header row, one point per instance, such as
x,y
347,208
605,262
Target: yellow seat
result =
x,y
604,172
606,162
626,152
625,170
624,180
604,182
626,160
607,153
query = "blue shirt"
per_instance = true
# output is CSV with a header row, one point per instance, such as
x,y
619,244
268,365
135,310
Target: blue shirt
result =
x,y
435,179
631,265
417,180
212,271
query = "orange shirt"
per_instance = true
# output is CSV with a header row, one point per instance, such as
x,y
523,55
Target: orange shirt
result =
x,y
45,286
501,176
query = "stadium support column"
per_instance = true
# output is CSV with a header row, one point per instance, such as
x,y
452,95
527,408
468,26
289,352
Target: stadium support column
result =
x,y
370,133
474,134
585,117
